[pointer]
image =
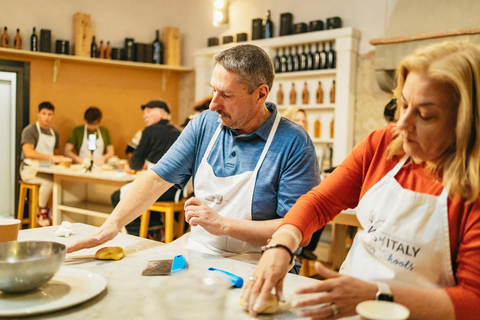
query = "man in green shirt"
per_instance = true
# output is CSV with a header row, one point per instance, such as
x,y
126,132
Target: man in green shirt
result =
x,y
77,144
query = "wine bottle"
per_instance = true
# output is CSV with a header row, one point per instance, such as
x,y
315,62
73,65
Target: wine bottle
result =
x,y
157,49
332,57
316,59
280,95
332,92
305,94
310,58
293,95
93,49
5,38
267,26
277,64
33,41
303,59
296,60
324,58
101,50
317,129
108,51
332,128
319,93
290,60
283,61
17,40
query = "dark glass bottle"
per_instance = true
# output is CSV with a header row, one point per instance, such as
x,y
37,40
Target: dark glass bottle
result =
x,y
93,49
310,58
157,49
316,58
17,40
332,57
303,59
324,58
267,26
33,41
296,60
277,63
289,60
283,60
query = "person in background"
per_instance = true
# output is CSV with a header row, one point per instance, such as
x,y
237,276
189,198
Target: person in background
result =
x,y
299,116
389,112
40,146
77,144
416,187
198,108
249,165
158,136
133,144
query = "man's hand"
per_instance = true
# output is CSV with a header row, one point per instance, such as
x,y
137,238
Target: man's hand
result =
x,y
198,213
105,233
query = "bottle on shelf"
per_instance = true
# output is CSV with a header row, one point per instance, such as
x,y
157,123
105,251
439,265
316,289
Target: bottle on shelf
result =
x,y
332,92
332,57
5,38
93,49
293,95
267,26
332,128
309,58
280,95
101,50
305,94
317,129
323,58
277,63
296,60
157,47
289,62
17,40
283,61
319,97
303,59
108,51
33,41
316,58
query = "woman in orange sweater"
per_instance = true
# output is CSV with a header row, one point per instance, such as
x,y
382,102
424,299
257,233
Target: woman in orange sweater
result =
x,y
416,187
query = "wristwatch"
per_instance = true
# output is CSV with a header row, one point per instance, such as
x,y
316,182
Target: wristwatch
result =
x,y
384,293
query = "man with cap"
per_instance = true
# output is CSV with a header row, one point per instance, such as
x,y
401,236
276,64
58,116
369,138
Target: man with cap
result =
x,y
157,137
249,165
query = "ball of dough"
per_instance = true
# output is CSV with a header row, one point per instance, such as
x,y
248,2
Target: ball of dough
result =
x,y
270,306
110,253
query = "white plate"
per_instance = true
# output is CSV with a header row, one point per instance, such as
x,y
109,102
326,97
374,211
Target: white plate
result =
x,y
67,288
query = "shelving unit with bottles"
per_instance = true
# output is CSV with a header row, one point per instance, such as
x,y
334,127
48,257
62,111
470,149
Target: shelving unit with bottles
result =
x,y
341,111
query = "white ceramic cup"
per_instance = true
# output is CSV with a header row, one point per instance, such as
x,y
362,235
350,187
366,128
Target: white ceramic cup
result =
x,y
9,229
382,310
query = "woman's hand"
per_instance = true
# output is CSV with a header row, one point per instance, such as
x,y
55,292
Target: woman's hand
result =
x,y
105,233
335,297
269,274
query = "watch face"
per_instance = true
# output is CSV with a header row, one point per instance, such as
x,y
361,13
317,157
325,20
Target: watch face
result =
x,y
385,297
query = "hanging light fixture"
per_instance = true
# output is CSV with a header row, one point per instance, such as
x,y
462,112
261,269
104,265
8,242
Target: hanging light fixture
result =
x,y
220,13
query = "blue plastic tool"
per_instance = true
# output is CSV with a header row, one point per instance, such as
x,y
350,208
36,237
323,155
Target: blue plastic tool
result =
x,y
179,263
237,281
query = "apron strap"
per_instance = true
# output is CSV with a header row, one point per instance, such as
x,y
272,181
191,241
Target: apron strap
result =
x,y
269,141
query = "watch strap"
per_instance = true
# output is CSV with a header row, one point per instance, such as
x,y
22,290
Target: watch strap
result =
x,y
384,293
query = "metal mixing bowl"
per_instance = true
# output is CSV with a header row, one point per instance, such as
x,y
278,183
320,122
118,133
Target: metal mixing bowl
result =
x,y
26,265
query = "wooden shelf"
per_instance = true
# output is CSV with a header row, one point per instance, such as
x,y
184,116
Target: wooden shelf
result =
x,y
305,74
84,60
326,107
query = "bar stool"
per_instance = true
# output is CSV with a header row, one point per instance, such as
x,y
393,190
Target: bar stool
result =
x,y
32,203
169,208
308,267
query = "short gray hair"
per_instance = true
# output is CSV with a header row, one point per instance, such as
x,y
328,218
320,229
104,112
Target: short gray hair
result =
x,y
252,63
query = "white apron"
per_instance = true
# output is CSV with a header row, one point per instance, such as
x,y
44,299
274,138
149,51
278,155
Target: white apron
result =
x,y
45,145
84,153
230,197
405,240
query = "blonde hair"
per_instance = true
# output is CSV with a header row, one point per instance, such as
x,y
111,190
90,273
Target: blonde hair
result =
x,y
458,65
291,112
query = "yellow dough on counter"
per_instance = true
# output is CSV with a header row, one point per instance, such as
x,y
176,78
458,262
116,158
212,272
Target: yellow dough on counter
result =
x,y
110,253
270,306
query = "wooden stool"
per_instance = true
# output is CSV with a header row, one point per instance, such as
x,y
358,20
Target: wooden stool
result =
x,y
308,267
169,207
32,203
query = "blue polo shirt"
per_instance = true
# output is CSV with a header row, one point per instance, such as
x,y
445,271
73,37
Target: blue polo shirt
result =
x,y
289,170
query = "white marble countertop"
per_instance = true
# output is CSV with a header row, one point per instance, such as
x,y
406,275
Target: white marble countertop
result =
x,y
129,295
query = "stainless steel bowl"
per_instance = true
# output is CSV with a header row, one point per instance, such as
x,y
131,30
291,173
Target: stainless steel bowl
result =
x,y
26,265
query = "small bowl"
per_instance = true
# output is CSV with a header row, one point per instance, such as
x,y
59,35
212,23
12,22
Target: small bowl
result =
x,y
27,265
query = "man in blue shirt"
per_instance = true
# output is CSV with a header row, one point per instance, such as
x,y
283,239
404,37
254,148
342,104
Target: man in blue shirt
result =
x,y
248,164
